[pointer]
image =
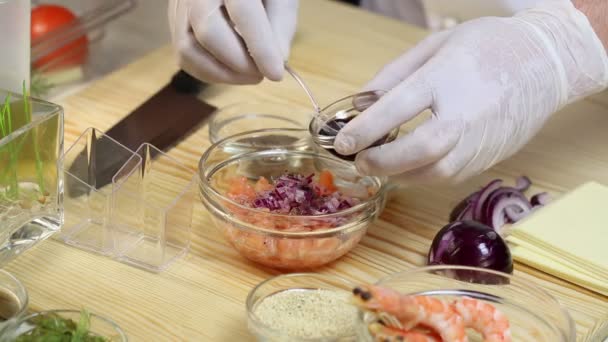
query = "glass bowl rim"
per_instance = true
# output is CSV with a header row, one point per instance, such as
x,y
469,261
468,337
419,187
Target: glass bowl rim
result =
x,y
347,228
204,182
214,124
374,91
109,321
425,269
22,287
249,302
315,132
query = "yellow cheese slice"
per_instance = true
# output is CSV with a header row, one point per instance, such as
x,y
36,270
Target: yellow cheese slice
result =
x,y
557,269
521,245
574,226
563,255
552,264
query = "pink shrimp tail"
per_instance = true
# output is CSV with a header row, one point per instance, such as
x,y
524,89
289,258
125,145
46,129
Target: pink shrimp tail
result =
x,y
484,318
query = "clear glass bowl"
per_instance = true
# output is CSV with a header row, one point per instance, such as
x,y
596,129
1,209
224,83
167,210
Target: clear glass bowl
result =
x,y
263,237
250,116
100,326
293,282
324,127
534,315
13,303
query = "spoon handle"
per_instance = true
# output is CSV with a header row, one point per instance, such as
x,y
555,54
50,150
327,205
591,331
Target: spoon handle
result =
x,y
303,85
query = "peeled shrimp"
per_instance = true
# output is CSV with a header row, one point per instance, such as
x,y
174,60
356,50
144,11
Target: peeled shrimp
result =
x,y
483,318
413,311
388,334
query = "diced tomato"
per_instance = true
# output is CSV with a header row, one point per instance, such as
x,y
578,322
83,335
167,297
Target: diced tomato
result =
x,y
263,185
326,180
240,187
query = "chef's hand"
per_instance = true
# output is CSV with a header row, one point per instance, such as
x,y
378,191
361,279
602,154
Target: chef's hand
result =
x,y
491,84
233,41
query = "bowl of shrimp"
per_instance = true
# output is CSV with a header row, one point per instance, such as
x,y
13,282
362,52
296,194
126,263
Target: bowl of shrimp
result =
x,y
438,303
282,204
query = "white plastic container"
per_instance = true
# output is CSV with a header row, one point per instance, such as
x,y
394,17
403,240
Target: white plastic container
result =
x,y
15,42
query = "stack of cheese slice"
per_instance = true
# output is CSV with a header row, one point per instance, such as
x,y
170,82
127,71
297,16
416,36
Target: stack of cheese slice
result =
x,y
568,238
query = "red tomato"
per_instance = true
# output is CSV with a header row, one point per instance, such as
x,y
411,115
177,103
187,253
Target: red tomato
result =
x,y
48,18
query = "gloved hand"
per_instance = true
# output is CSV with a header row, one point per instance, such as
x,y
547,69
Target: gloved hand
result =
x,y
233,41
491,84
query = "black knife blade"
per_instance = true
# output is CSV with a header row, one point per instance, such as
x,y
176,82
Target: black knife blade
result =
x,y
166,118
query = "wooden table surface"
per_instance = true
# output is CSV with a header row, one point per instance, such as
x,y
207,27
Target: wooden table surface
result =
x,y
202,297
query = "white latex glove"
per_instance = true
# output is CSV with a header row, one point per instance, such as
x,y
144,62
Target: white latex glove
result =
x,y
233,41
491,84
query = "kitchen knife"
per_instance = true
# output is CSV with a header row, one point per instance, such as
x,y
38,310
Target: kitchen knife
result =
x,y
163,120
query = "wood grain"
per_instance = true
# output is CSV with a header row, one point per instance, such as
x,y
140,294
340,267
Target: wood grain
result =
x,y
201,298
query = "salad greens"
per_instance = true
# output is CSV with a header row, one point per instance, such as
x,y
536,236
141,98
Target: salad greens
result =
x,y
54,328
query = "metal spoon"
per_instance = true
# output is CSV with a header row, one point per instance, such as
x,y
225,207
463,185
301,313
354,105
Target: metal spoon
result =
x,y
298,79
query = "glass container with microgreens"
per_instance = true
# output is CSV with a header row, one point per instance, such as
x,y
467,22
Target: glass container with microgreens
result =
x,y
69,326
31,141
302,307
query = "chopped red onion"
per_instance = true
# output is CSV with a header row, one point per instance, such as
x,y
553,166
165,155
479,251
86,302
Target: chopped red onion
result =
x,y
299,195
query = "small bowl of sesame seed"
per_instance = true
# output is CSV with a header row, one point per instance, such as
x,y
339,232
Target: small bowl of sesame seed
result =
x,y
302,307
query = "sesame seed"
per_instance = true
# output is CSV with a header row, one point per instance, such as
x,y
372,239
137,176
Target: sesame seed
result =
x,y
308,313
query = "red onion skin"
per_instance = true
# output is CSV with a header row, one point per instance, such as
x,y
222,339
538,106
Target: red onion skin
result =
x,y
500,213
495,197
523,183
459,210
540,199
470,243
483,195
466,215
465,205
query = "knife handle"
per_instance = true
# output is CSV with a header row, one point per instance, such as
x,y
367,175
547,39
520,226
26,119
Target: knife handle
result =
x,y
183,83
